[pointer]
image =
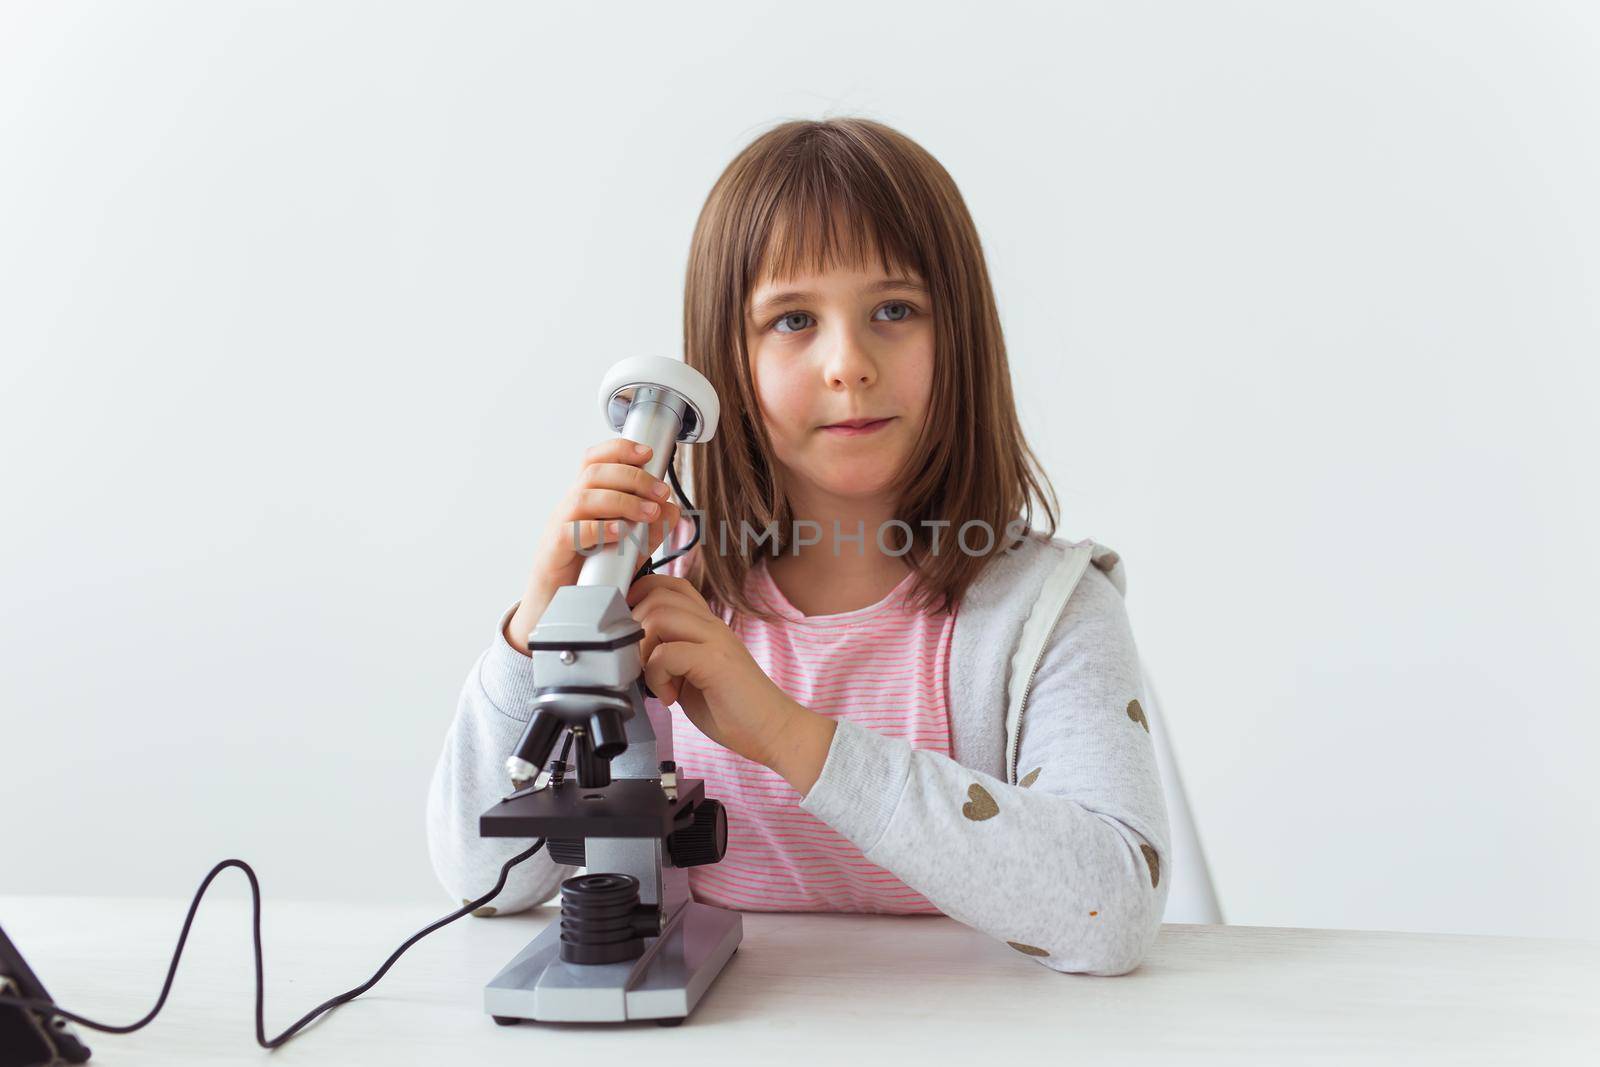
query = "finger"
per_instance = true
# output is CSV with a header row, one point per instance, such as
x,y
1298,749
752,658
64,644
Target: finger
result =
x,y
587,534
668,588
662,609
626,477
592,532
586,503
615,450
669,665
660,528
668,621
671,622
656,530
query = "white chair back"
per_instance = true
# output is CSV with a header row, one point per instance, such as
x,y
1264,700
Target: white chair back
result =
x,y
1192,898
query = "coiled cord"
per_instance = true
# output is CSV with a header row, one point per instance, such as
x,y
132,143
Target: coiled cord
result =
x,y
47,1008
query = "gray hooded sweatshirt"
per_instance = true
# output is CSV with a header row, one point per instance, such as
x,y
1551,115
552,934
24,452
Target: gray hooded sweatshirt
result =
x,y
1046,828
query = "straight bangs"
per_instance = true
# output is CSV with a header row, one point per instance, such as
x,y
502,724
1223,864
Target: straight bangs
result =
x,y
822,223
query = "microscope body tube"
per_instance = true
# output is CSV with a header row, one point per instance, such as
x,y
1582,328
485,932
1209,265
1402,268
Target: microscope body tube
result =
x,y
655,418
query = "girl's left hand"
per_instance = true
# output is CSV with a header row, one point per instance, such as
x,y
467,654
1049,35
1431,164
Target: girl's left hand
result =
x,y
692,658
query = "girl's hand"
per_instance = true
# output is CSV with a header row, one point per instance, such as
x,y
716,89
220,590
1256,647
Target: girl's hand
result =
x,y
611,490
692,658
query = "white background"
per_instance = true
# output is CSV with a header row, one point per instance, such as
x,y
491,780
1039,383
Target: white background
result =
x,y
302,310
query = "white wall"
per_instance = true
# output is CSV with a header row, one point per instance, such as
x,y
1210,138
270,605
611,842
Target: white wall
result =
x,y
302,308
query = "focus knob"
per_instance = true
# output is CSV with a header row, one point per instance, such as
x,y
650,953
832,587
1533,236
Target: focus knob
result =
x,y
705,840
567,850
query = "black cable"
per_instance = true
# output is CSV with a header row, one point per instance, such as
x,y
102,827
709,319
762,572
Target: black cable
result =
x,y
652,565
47,1008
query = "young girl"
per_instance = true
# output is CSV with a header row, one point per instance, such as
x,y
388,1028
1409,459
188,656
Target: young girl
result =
x,y
835,647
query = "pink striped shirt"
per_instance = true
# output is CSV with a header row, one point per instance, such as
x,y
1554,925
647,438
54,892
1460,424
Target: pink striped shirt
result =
x,y
884,666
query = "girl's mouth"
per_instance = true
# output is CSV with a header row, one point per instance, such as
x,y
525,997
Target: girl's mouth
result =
x,y
858,431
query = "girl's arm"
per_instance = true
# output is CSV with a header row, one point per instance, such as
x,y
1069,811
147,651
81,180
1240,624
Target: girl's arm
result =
x,y
1069,866
470,778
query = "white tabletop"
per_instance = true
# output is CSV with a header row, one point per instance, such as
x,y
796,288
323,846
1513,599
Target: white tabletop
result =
x,y
808,988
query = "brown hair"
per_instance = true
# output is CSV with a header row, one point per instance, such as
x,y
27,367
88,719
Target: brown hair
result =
x,y
776,209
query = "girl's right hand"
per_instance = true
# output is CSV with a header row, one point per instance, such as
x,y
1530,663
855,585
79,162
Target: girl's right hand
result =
x,y
612,490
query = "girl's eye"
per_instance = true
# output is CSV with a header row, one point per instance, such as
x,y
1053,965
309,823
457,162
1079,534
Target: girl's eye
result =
x,y
778,325
792,315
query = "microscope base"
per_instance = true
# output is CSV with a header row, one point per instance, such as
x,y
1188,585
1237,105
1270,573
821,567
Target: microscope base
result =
x,y
665,983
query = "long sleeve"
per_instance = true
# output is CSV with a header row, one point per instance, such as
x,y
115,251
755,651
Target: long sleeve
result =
x,y
1067,866
470,778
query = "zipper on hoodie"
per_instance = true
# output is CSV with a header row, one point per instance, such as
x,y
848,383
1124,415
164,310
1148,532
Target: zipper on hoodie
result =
x,y
1022,708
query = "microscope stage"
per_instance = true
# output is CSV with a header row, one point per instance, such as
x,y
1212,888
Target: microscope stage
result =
x,y
628,807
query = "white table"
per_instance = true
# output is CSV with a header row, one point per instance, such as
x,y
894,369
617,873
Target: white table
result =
x,y
807,989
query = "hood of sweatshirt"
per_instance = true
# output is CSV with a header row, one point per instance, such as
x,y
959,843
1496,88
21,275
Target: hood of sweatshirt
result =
x,y
988,628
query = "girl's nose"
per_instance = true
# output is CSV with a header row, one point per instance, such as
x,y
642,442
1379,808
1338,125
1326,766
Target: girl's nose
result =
x,y
849,364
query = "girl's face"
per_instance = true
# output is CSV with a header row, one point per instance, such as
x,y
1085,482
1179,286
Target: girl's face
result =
x,y
826,348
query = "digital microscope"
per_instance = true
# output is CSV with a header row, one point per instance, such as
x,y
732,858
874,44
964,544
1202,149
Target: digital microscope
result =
x,y
631,943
